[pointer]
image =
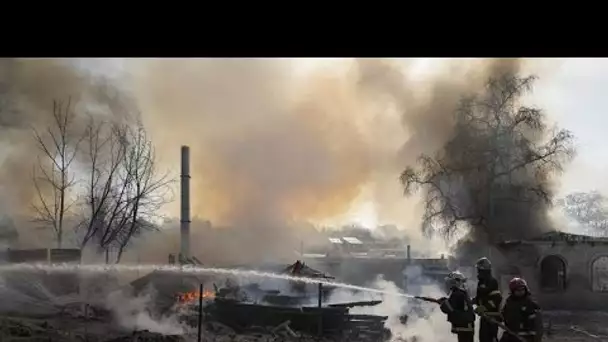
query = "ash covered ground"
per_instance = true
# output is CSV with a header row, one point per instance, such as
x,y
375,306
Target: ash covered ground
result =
x,y
113,308
104,310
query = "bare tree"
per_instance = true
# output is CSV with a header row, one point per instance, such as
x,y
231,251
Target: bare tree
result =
x,y
104,155
495,168
52,176
125,189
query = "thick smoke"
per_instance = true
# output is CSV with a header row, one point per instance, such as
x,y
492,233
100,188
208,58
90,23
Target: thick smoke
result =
x,y
425,321
139,313
262,158
514,207
270,149
28,88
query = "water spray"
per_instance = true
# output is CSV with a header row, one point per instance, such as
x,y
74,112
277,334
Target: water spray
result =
x,y
103,268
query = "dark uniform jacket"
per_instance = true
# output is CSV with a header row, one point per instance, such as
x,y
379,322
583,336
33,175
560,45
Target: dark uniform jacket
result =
x,y
488,296
523,316
459,309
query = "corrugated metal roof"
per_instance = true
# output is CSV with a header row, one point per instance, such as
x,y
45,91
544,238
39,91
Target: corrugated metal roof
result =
x,y
335,241
352,240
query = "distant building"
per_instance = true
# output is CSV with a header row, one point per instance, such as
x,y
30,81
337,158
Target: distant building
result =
x,y
357,262
8,232
564,271
41,255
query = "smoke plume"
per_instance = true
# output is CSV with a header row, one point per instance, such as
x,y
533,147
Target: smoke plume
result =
x,y
270,148
268,151
140,313
498,139
425,321
28,88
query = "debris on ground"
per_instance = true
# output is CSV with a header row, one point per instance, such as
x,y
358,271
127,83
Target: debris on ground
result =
x,y
315,321
229,316
147,336
583,326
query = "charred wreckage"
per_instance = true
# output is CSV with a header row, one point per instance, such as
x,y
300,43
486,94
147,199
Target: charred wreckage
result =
x,y
201,307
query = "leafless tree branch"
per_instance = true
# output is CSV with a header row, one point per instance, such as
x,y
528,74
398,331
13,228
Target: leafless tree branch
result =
x,y
500,152
125,189
58,146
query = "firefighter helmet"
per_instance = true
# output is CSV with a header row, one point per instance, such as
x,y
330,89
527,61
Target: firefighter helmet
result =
x,y
456,279
517,284
483,264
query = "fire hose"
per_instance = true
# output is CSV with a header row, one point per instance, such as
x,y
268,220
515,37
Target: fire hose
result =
x,y
484,316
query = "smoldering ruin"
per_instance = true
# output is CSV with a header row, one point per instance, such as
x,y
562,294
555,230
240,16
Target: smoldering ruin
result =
x,y
91,175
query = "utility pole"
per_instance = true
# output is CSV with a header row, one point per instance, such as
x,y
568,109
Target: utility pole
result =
x,y
200,312
320,304
185,203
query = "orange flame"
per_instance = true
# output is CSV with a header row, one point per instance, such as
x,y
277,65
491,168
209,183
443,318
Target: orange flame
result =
x,y
193,296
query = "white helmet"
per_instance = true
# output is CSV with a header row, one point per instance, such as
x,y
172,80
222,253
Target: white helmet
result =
x,y
456,279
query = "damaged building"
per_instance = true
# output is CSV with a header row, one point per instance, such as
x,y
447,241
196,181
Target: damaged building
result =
x,y
354,261
361,261
564,271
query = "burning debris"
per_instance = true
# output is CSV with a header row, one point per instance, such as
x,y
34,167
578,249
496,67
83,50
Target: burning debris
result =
x,y
190,297
248,308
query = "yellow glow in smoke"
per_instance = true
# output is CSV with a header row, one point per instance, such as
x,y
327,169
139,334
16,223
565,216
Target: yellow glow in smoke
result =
x,y
364,214
364,211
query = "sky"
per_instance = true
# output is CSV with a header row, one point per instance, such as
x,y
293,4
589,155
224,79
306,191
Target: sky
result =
x,y
572,93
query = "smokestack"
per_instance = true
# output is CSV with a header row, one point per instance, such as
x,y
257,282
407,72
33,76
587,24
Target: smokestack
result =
x,y
185,204
409,253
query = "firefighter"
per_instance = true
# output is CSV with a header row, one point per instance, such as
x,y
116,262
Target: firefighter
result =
x,y
459,307
488,300
522,315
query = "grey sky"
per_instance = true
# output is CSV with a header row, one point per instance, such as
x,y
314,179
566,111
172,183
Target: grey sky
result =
x,y
571,91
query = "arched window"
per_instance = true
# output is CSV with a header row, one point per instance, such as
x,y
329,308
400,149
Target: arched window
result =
x,y
553,273
599,274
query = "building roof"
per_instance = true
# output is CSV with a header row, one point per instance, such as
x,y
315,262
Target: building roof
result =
x,y
301,269
557,236
352,240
